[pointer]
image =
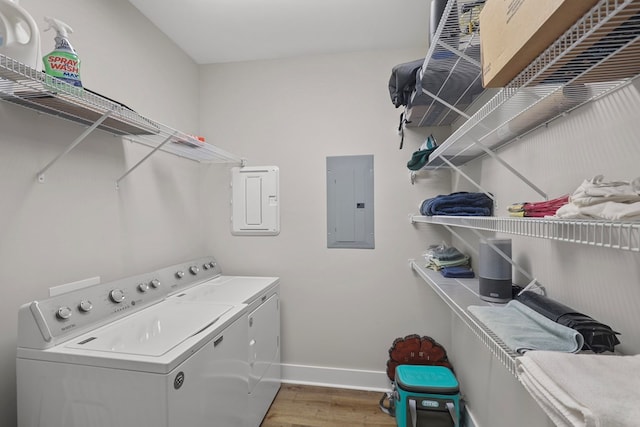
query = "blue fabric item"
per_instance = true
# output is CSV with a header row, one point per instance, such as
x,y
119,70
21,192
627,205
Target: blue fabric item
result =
x,y
461,203
449,253
458,272
523,329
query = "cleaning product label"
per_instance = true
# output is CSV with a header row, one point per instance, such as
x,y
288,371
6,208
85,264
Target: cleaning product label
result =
x,y
64,66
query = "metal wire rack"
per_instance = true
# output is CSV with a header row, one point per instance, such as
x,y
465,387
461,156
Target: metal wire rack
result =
x,y
27,87
450,78
597,55
624,235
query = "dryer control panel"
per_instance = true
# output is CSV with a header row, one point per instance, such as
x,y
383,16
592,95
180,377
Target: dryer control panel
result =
x,y
44,323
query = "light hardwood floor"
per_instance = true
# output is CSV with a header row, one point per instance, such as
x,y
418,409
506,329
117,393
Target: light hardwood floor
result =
x,y
307,406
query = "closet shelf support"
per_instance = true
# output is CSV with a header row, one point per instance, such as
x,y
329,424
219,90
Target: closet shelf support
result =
x,y
446,104
468,178
73,145
169,138
459,53
462,239
522,178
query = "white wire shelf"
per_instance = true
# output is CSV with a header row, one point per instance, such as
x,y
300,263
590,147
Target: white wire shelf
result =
x,y
624,235
24,86
597,55
451,77
459,294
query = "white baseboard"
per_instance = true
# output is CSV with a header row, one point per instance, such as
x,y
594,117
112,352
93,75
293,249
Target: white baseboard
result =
x,y
336,377
470,421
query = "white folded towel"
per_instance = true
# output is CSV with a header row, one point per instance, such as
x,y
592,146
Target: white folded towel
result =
x,y
586,390
596,190
613,211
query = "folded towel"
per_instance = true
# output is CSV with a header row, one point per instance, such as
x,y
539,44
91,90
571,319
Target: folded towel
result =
x,y
584,390
542,209
458,272
523,329
461,203
456,262
446,253
614,211
537,209
596,190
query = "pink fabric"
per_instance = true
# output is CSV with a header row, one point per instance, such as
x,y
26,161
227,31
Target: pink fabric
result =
x,y
547,208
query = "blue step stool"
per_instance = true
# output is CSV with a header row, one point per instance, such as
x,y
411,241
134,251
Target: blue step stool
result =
x,y
427,396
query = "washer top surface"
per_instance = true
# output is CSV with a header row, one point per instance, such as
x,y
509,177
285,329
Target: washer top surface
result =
x,y
151,332
228,289
155,340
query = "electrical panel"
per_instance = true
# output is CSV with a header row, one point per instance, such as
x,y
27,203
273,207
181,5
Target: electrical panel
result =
x,y
350,202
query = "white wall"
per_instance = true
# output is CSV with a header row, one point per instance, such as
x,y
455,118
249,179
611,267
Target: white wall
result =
x,y
341,308
77,224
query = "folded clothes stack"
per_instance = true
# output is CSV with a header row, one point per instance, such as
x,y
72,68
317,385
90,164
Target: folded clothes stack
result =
x,y
537,209
597,199
449,261
461,203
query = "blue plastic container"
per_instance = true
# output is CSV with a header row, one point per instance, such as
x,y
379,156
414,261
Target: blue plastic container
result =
x,y
427,396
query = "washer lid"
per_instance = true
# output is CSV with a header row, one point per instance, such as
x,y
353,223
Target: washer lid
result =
x,y
228,289
153,331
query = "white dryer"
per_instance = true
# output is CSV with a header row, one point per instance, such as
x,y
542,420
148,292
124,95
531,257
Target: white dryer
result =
x,y
133,353
261,295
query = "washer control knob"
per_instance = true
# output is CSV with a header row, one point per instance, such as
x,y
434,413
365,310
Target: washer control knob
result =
x,y
205,266
85,306
179,274
212,264
116,295
143,287
63,313
155,283
194,270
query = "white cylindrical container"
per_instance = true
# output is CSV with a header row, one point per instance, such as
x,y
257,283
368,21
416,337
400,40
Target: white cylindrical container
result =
x,y
19,35
494,271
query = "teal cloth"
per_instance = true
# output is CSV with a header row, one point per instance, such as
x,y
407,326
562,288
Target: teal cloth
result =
x,y
523,329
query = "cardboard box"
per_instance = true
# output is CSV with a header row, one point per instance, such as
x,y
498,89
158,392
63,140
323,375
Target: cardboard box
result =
x,y
514,32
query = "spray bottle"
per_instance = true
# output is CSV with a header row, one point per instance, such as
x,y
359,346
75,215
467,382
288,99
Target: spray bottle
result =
x,y
63,62
19,35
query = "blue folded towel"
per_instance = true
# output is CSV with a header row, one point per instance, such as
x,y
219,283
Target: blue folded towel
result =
x,y
461,203
458,272
523,329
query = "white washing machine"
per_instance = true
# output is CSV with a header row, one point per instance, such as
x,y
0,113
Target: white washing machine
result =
x,y
133,353
261,295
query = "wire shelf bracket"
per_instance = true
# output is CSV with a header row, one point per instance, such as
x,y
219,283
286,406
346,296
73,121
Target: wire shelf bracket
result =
x,y
75,143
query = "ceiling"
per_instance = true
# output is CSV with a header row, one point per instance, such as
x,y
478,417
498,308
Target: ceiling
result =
x,y
214,31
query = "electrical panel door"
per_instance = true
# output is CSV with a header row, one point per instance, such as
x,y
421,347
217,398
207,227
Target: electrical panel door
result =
x,y
255,200
350,202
